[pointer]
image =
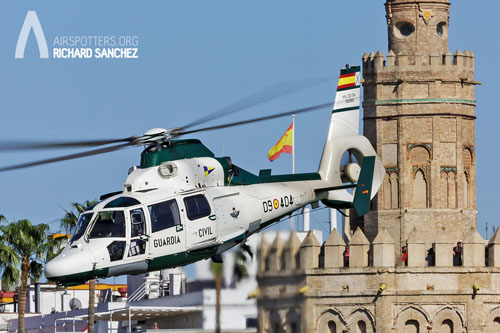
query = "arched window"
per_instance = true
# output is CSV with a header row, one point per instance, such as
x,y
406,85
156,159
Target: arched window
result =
x,y
448,187
332,326
394,190
391,189
452,190
361,327
420,156
387,191
446,327
444,189
331,321
419,198
412,326
495,326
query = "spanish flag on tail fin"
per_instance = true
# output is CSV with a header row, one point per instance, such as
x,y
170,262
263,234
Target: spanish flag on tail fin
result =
x,y
348,90
284,145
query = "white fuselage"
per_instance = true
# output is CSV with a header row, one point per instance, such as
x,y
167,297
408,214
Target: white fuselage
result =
x,y
160,222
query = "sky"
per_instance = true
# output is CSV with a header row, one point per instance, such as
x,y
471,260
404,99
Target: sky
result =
x,y
195,57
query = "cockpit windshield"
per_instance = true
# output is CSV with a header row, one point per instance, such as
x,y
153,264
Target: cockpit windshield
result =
x,y
81,226
108,224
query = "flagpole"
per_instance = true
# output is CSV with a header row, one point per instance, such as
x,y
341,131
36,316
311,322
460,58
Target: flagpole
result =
x,y
293,144
292,220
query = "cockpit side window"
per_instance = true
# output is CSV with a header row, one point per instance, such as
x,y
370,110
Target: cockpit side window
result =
x,y
197,206
164,215
109,224
81,226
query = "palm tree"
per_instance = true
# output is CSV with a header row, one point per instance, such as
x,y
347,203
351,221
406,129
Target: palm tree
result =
x,y
70,219
217,271
68,223
24,243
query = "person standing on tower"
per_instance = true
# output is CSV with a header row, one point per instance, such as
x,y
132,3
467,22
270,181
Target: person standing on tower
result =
x,y
404,255
457,254
346,256
431,255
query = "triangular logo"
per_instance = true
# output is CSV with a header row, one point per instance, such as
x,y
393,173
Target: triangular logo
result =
x,y
31,22
208,170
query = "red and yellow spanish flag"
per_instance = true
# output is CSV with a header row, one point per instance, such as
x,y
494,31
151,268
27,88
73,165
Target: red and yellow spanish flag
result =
x,y
284,145
347,80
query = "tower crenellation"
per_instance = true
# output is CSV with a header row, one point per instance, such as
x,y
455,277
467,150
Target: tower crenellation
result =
x,y
458,63
376,254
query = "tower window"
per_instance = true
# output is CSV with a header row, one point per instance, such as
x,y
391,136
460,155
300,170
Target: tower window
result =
x,y
405,29
441,29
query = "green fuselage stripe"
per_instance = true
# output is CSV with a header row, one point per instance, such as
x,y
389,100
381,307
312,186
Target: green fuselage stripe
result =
x,y
420,100
350,70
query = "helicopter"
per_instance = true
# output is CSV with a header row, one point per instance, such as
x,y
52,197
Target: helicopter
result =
x,y
183,204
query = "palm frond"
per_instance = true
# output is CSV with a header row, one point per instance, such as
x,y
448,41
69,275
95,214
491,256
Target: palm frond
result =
x,y
36,271
9,266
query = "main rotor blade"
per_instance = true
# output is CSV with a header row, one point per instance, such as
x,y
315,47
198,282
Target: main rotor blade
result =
x,y
260,97
66,157
34,145
238,123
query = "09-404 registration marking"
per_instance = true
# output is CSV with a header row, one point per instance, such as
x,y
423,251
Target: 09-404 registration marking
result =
x,y
275,204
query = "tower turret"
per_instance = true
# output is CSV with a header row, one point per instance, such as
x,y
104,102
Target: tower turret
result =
x,y
417,27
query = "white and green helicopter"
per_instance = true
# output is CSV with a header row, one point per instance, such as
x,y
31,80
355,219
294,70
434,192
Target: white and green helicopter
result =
x,y
183,204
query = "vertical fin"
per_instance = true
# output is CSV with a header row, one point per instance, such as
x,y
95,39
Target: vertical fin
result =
x,y
344,135
362,196
344,120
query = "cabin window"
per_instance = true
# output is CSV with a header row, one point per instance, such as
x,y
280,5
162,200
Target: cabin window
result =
x,y
197,206
138,222
164,215
116,250
81,226
109,224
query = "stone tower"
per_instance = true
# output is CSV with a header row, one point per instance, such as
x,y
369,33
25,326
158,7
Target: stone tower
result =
x,y
419,114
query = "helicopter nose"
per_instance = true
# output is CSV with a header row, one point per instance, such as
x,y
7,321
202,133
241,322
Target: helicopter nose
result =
x,y
70,264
